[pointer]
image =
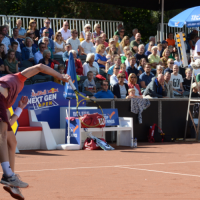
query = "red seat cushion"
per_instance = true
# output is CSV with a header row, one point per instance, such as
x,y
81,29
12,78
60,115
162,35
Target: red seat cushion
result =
x,y
29,128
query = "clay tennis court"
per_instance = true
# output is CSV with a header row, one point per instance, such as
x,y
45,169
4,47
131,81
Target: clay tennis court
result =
x,y
158,171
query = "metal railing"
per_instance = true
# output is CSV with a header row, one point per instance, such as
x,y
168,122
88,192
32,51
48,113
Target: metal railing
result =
x,y
109,27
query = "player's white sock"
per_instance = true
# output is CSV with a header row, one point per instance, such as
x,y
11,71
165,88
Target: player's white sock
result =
x,y
7,169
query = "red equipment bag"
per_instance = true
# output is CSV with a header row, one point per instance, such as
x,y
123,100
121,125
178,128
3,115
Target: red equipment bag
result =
x,y
91,144
154,135
93,121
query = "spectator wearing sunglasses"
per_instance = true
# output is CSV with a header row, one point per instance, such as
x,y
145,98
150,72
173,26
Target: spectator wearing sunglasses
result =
x,y
59,44
33,27
66,33
74,41
47,26
121,34
97,32
132,83
87,28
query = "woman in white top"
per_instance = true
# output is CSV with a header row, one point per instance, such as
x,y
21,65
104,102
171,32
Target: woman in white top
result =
x,y
123,43
90,65
87,28
59,44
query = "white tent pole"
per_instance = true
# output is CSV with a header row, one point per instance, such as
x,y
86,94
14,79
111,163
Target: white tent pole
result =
x,y
162,17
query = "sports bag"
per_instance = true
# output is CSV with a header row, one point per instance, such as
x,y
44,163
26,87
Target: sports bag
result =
x,y
90,144
155,134
93,121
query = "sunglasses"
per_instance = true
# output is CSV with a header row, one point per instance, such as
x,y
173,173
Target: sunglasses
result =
x,y
171,63
33,22
122,77
75,32
58,35
47,22
46,32
88,27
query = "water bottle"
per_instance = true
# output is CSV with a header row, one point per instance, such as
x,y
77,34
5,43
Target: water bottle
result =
x,y
135,143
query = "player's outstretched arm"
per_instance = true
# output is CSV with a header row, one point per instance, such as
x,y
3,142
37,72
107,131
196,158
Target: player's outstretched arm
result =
x,y
32,71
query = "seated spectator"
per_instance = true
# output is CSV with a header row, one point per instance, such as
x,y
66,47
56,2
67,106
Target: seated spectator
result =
x,y
46,60
159,70
87,28
98,41
131,94
171,48
129,54
136,43
33,27
165,57
50,41
142,65
134,32
156,88
28,51
140,54
47,27
103,35
177,60
149,50
124,43
65,55
120,89
111,43
170,64
5,40
123,70
145,78
116,38
170,40
154,59
187,80
195,92
39,54
74,41
159,50
152,41
66,33
59,44
7,30
104,93
77,62
46,41
10,63
61,69
177,81
90,65
2,53
113,78
4,46
100,58
164,46
87,44
31,34
132,68
119,26
2,68
22,31
121,34
192,41
97,32
117,63
132,83
111,54
168,85
89,84
16,39
14,46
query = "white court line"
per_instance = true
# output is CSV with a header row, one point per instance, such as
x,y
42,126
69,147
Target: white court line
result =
x,y
150,170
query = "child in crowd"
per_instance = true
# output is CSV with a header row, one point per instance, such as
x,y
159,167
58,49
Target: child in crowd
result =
x,y
123,70
61,69
89,84
131,94
177,60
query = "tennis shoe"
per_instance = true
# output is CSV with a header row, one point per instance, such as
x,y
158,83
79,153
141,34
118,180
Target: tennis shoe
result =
x,y
14,192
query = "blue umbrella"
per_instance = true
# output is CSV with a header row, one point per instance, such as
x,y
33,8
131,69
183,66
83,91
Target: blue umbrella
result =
x,y
190,17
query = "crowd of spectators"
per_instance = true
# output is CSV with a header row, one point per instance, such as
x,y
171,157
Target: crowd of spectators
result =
x,y
128,67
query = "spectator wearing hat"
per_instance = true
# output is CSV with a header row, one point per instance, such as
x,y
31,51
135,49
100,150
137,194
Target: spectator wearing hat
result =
x,y
164,46
168,85
87,44
134,32
154,59
87,28
170,40
136,42
47,27
151,39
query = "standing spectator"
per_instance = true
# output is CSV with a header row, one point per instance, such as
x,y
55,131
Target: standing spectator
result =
x,y
87,28
120,89
66,33
97,32
159,49
170,40
132,68
4,46
132,83
33,27
192,41
156,87
2,53
47,23
170,64
31,34
77,62
113,78
117,63
187,80
140,54
145,78
22,31
134,32
151,39
135,42
28,51
14,46
116,38
165,57
103,35
59,44
74,41
89,84
154,59
39,55
46,60
87,44
100,58
15,38
5,40
51,43
168,85
159,70
149,50
65,55
10,63
124,43
164,46
177,81
193,32
123,70
90,65
111,54
121,34
177,60
46,40
142,65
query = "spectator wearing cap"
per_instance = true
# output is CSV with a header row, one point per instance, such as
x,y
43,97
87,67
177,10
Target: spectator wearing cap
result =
x,y
87,28
165,57
87,44
74,41
22,31
151,38
47,26
132,68
170,40
154,59
103,35
168,85
170,64
39,54
5,40
164,46
97,32
136,42
15,38
134,32
66,33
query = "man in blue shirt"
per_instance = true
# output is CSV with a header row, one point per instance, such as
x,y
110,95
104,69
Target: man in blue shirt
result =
x,y
39,55
104,93
47,26
145,78
16,39
51,43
